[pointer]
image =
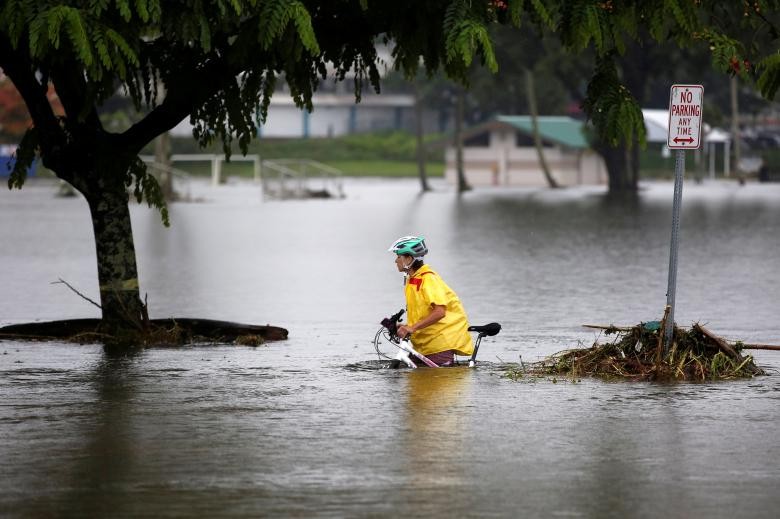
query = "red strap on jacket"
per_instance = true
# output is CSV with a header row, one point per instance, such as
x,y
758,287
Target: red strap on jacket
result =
x,y
417,282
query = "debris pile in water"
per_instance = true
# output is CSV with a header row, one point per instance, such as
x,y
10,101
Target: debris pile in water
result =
x,y
638,353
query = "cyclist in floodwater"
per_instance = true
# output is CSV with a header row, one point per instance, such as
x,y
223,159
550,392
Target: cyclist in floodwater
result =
x,y
436,322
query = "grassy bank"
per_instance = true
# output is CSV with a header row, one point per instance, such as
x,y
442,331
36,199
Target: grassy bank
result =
x,y
383,154
393,154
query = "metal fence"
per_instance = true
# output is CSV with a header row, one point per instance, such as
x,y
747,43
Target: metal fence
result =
x,y
300,178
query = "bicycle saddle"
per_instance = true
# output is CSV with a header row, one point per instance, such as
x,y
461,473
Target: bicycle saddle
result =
x,y
489,329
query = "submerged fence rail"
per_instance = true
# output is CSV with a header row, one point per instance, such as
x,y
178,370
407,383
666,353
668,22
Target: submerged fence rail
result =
x,y
283,178
165,172
215,162
300,178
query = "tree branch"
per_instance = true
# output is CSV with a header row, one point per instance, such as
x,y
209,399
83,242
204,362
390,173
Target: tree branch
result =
x,y
77,292
21,71
191,80
72,90
162,118
182,97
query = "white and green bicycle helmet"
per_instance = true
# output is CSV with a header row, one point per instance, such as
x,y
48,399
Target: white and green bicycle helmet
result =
x,y
414,246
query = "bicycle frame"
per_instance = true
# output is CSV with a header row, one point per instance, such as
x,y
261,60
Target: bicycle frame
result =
x,y
406,350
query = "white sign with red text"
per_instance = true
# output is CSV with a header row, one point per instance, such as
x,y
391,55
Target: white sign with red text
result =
x,y
685,108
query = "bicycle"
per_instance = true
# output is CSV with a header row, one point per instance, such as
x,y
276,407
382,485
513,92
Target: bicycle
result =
x,y
388,335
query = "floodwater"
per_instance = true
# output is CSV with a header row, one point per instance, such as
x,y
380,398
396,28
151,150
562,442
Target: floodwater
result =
x,y
310,427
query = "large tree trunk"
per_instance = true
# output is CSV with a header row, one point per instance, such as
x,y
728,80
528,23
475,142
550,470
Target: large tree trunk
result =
x,y
618,160
623,161
418,119
117,271
531,96
633,166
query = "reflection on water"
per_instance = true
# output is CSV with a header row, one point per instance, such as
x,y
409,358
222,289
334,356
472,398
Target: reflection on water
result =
x,y
315,427
437,429
92,487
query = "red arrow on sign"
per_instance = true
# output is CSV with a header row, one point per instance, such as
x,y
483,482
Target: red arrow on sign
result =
x,y
687,139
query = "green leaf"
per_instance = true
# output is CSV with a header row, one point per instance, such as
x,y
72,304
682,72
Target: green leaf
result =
x,y
99,42
122,47
593,28
142,9
516,11
146,188
486,47
466,35
769,80
614,111
542,12
205,34
124,9
684,13
302,21
37,27
54,19
25,156
74,28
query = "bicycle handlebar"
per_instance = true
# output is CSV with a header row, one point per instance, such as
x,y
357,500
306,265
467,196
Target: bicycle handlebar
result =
x,y
391,323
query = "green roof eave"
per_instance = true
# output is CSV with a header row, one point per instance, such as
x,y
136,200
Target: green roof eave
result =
x,y
559,129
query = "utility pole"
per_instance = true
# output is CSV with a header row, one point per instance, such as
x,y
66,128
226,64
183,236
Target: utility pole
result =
x,y
418,119
459,102
734,87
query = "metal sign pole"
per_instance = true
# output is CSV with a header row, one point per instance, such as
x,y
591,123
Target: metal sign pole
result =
x,y
679,170
685,110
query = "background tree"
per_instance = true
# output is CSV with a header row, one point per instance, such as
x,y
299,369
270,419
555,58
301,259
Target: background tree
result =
x,y
525,58
637,51
219,61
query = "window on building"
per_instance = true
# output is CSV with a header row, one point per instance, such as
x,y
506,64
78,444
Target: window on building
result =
x,y
524,140
480,140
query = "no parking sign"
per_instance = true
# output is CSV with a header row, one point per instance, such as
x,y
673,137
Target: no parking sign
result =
x,y
685,107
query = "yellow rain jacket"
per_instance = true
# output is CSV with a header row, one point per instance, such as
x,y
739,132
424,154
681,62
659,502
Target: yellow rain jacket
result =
x,y
451,332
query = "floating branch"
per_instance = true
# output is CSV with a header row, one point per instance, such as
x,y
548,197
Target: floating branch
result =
x,y
759,347
608,327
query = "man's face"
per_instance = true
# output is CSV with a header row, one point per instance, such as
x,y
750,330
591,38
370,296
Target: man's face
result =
x,y
402,262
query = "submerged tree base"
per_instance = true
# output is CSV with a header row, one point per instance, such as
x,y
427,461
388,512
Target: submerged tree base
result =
x,y
637,353
155,332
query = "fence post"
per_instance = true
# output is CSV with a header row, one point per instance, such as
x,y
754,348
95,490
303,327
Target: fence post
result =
x,y
216,170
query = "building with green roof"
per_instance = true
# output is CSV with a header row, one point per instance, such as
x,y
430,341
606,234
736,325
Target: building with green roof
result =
x,y
501,152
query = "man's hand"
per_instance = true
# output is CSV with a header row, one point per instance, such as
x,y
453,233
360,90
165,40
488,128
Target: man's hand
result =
x,y
404,331
437,312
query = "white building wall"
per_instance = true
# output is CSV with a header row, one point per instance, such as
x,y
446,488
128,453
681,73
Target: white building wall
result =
x,y
338,114
327,121
284,121
502,163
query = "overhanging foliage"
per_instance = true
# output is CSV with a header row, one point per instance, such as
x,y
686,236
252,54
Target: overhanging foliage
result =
x,y
218,62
